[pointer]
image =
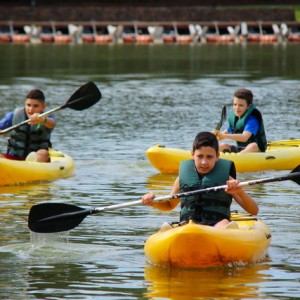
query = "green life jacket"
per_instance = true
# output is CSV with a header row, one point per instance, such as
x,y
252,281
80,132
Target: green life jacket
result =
x,y
238,124
27,138
207,208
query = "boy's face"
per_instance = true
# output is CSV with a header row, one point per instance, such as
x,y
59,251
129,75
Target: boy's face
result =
x,y
239,106
205,159
33,106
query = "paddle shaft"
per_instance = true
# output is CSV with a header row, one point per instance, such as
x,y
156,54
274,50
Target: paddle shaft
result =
x,y
47,113
55,217
290,176
86,96
189,193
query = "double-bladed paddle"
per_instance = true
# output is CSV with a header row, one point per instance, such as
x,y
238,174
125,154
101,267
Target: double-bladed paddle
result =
x,y
56,217
86,96
222,120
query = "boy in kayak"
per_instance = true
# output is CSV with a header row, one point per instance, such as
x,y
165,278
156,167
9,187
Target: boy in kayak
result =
x,y
204,170
246,126
33,136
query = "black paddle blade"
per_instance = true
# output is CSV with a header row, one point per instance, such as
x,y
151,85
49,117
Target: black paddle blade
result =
x,y
222,120
84,97
55,217
295,174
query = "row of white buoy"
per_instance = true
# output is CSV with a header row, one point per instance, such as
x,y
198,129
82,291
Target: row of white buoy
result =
x,y
142,33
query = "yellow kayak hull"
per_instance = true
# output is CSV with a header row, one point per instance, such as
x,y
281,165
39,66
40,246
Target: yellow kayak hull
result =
x,y
13,172
197,246
280,155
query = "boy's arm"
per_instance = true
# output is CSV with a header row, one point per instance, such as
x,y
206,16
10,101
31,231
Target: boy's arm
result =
x,y
6,121
251,128
238,137
48,121
246,202
165,205
241,197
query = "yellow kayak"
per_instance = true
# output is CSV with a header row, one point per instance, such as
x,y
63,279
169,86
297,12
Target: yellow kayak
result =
x,y
197,246
13,172
280,155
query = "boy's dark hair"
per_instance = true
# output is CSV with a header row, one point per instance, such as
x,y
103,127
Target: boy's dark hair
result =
x,y
205,139
36,95
244,94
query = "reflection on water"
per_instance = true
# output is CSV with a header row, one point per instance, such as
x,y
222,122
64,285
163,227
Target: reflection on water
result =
x,y
17,192
51,265
254,59
161,182
239,283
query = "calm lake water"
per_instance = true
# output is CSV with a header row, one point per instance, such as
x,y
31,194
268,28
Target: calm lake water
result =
x,y
151,94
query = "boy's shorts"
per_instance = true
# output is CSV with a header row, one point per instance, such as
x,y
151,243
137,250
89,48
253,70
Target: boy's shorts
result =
x,y
236,149
7,156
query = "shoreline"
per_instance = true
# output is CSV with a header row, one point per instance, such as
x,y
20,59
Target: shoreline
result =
x,y
135,32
